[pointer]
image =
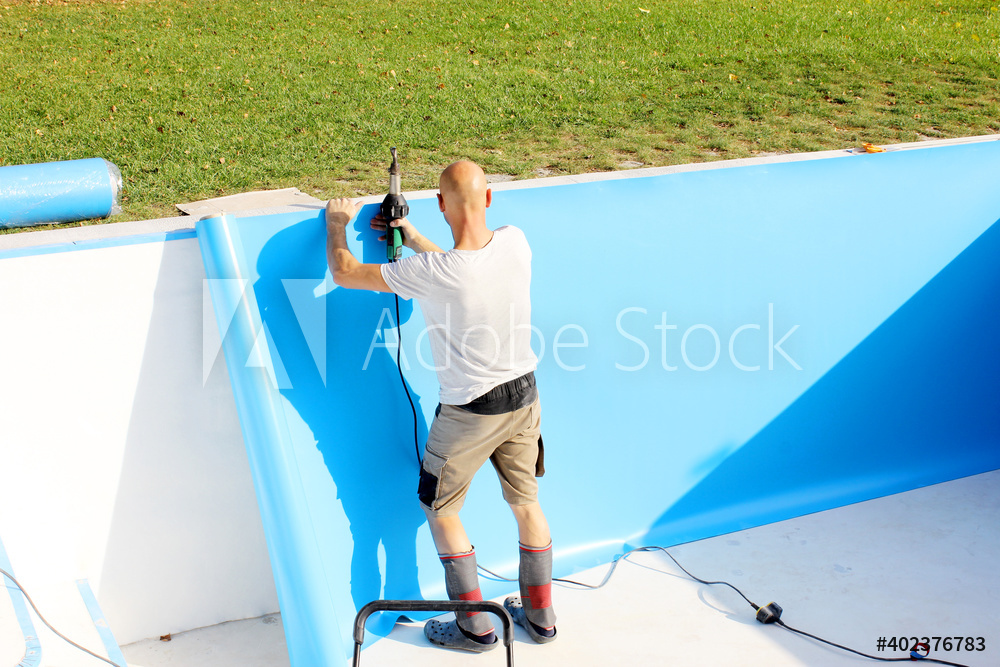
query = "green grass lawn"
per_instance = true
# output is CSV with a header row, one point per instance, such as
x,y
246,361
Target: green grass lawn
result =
x,y
199,99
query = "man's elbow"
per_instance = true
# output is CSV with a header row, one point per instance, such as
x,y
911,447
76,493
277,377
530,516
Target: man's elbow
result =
x,y
342,266
347,278
360,276
352,278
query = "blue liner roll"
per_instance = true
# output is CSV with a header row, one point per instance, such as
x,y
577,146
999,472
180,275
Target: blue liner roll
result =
x,y
68,191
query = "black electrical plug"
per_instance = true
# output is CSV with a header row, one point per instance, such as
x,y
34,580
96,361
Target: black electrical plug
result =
x,y
769,613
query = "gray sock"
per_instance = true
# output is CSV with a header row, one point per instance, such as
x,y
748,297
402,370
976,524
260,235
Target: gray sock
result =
x,y
461,579
535,579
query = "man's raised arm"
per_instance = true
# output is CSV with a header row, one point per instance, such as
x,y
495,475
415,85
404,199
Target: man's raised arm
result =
x,y
347,271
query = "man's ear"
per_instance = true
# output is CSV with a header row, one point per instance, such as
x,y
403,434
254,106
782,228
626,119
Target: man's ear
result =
x,y
489,197
441,202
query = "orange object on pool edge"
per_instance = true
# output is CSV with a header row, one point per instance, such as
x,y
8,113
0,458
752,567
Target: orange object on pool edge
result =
x,y
872,148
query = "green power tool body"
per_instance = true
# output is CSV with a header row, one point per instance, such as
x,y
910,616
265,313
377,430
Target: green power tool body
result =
x,y
393,207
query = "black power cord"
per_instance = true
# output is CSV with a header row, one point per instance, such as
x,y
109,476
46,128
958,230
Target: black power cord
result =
x,y
49,626
769,613
402,380
865,655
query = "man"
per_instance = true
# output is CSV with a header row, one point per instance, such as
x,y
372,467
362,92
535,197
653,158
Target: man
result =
x,y
475,301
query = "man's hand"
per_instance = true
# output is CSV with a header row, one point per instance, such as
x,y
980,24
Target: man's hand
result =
x,y
412,239
339,212
409,232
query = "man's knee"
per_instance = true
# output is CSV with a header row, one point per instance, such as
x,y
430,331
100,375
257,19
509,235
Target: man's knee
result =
x,y
527,511
532,527
448,534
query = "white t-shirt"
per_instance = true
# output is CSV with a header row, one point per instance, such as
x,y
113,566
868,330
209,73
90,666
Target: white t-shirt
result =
x,y
477,308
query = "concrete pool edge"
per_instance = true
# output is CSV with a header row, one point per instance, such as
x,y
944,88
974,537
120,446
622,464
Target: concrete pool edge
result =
x,y
35,242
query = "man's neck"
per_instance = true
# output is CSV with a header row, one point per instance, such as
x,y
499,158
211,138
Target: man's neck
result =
x,y
472,235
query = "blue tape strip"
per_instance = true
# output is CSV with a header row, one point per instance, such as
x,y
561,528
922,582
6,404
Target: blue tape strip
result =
x,y
156,237
101,623
32,647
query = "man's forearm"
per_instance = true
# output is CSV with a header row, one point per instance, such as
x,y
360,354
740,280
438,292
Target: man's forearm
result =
x,y
347,271
420,243
338,255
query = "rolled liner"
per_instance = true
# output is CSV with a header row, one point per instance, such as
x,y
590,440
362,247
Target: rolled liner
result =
x,y
52,192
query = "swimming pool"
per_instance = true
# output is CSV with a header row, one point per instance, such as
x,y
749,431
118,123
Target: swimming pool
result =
x,y
719,348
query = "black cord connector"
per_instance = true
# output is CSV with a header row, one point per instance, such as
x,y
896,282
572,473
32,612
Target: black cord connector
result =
x,y
769,613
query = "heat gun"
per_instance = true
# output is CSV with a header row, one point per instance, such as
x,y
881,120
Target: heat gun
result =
x,y
393,207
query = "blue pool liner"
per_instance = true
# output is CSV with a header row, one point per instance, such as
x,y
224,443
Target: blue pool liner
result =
x,y
719,349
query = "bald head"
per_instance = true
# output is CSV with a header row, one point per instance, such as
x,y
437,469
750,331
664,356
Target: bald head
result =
x,y
463,186
463,201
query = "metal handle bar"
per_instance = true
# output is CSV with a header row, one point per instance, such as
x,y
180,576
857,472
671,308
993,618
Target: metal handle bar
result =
x,y
434,605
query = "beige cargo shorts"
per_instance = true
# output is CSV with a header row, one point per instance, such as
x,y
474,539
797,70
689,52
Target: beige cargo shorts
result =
x,y
459,444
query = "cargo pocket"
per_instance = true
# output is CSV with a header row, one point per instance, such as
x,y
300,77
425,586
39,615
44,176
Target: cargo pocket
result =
x,y
540,461
430,479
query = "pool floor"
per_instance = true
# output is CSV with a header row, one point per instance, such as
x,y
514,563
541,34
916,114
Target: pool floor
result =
x,y
918,563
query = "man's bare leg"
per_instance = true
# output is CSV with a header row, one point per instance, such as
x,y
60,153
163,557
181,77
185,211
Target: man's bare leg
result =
x,y
449,534
532,528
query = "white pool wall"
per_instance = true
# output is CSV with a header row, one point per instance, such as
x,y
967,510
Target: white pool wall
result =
x,y
120,464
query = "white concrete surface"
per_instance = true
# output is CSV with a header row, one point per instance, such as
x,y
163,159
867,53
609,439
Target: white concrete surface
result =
x,y
11,639
916,563
64,608
257,642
